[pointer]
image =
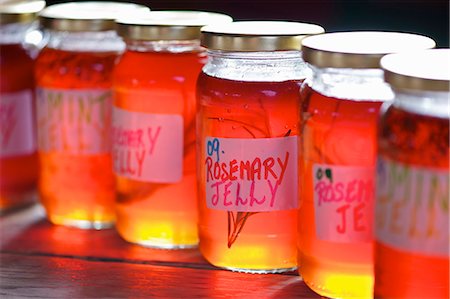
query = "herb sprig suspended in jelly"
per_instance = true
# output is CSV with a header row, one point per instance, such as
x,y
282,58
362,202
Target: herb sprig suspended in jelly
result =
x,y
237,221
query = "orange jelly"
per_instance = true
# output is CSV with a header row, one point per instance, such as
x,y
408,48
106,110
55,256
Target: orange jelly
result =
x,y
74,80
18,157
340,112
412,207
76,181
154,128
18,164
235,239
247,128
329,126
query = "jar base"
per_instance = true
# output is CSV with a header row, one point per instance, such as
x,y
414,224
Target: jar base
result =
x,y
158,229
254,254
260,271
336,280
84,224
163,245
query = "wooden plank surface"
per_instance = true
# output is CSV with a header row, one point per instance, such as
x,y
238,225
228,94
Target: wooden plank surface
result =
x,y
56,277
28,232
39,260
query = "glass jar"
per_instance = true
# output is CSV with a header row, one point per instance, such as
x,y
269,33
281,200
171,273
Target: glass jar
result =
x,y
74,80
248,103
340,108
154,127
412,204
18,156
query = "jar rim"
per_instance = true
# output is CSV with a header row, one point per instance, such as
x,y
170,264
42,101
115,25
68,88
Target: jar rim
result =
x,y
87,16
359,49
253,36
20,11
427,70
168,24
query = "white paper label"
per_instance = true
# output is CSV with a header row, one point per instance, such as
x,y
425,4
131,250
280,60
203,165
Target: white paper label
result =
x,y
148,147
17,130
412,208
343,203
251,175
74,121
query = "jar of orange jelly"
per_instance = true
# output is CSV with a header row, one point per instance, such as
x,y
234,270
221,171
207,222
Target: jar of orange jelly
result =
x,y
340,110
247,127
74,78
154,127
18,156
412,203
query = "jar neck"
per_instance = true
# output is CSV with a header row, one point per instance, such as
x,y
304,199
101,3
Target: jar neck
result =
x,y
99,41
431,103
256,66
351,84
166,46
15,33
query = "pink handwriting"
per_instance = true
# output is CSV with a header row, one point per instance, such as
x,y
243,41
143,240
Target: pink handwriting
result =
x,y
8,120
125,137
223,194
358,217
256,169
352,191
129,162
131,147
153,138
134,138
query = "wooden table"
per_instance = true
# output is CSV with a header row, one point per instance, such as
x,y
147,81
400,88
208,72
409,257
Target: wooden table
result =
x,y
40,260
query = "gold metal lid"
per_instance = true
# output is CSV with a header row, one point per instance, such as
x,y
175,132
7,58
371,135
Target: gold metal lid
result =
x,y
168,25
87,16
23,11
254,36
427,70
359,49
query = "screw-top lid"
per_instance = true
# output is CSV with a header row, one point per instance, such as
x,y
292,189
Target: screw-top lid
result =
x,y
168,25
87,16
359,49
254,36
427,70
22,11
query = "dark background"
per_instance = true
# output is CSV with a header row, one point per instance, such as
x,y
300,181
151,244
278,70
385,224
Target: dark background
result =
x,y
427,17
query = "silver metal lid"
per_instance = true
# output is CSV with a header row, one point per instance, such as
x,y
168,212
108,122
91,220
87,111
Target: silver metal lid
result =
x,y
251,36
427,70
87,16
359,49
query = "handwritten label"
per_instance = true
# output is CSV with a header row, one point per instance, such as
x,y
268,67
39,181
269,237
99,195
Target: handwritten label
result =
x,y
343,203
412,208
74,121
251,175
148,147
17,132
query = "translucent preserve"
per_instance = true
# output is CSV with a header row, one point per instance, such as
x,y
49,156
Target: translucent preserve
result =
x,y
74,80
76,181
412,204
337,161
154,127
260,240
247,128
18,156
340,108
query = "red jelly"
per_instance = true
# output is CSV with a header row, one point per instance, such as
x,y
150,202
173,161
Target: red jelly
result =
x,y
154,127
340,110
74,79
18,157
412,204
248,109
